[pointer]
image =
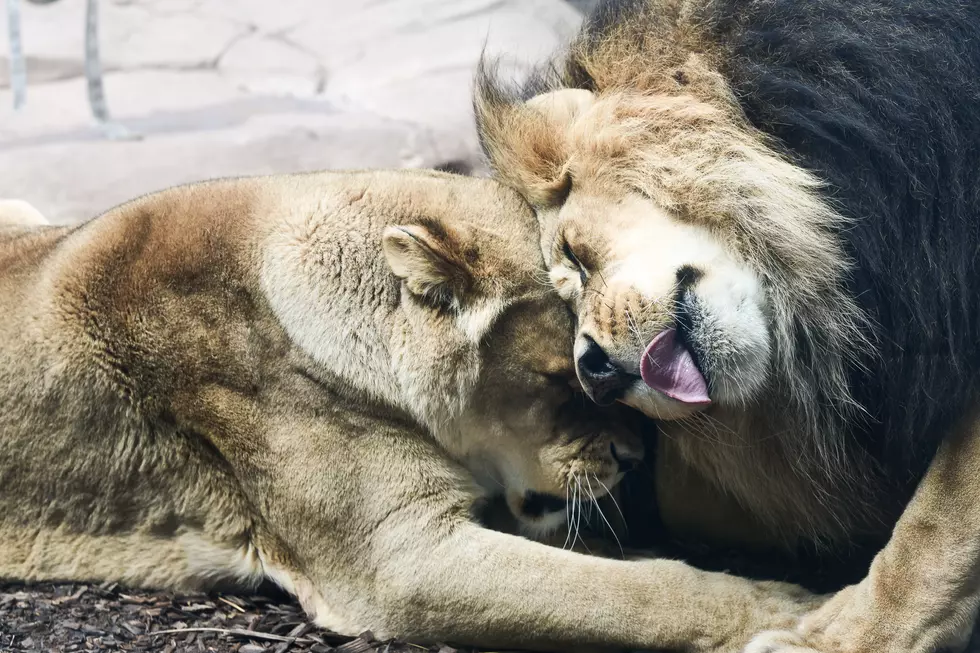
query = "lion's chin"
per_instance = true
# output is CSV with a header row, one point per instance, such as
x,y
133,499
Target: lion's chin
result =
x,y
657,405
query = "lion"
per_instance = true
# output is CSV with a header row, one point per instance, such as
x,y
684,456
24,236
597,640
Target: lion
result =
x,y
765,216
316,380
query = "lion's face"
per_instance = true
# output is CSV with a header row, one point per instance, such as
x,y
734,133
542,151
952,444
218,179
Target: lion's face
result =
x,y
489,344
703,267
670,319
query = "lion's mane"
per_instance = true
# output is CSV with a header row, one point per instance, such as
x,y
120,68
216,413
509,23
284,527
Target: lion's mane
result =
x,y
875,104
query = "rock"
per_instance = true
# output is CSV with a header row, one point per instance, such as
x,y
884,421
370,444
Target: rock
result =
x,y
219,88
267,65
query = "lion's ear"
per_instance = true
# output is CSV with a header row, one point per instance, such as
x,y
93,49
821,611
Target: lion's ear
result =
x,y
429,261
562,107
526,142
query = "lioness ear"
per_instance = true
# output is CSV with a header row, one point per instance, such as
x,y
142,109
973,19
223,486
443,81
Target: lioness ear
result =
x,y
429,262
562,107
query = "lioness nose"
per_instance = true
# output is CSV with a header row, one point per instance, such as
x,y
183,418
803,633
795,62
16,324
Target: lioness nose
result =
x,y
603,380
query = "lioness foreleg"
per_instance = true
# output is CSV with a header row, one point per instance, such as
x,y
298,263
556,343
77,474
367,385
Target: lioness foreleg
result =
x,y
923,589
382,539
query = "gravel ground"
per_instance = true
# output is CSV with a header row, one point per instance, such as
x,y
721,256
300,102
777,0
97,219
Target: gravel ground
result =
x,y
73,617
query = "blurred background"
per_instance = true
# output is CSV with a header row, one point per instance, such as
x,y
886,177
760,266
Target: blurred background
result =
x,y
211,88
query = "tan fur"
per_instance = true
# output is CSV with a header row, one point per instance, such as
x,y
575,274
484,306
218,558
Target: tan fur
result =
x,y
315,379
923,590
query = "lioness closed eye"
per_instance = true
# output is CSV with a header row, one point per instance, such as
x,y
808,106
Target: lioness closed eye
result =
x,y
313,379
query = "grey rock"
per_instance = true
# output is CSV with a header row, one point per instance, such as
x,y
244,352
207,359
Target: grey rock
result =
x,y
233,87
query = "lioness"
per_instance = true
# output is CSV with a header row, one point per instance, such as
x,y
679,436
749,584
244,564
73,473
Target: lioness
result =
x,y
765,215
314,379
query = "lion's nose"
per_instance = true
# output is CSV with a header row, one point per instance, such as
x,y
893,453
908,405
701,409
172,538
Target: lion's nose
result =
x,y
604,381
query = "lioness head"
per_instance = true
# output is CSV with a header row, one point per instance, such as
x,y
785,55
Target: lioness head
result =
x,y
427,292
704,268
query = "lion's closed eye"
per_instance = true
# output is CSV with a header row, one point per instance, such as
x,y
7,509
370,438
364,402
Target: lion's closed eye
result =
x,y
574,262
570,274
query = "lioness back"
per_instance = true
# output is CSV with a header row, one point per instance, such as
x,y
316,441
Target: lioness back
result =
x,y
93,484
112,329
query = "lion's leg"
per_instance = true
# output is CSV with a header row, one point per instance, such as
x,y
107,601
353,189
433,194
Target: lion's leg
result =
x,y
20,213
383,541
923,589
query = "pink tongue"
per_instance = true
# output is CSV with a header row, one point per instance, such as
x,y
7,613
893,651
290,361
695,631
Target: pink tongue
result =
x,y
668,366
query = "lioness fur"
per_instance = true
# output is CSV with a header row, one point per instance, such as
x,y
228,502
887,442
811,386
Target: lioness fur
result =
x,y
789,187
314,379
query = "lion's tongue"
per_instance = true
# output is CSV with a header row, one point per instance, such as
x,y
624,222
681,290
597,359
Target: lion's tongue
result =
x,y
668,366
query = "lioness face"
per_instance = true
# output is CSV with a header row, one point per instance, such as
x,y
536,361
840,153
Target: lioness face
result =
x,y
548,446
501,363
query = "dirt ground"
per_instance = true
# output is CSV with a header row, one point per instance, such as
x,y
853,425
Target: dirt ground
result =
x,y
73,617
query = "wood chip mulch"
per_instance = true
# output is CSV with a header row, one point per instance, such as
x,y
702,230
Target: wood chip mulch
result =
x,y
73,617
90,618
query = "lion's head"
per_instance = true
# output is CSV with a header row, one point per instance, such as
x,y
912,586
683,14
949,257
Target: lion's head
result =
x,y
706,270
695,258
445,313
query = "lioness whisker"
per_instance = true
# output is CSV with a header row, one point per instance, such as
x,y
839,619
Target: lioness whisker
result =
x,y
569,508
598,508
614,502
578,527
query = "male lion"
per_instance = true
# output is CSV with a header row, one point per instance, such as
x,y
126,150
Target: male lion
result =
x,y
313,379
766,216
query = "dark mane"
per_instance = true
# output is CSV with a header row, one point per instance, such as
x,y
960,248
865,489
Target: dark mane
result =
x,y
880,100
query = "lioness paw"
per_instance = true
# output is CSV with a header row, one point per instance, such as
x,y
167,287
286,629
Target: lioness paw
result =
x,y
778,641
862,619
